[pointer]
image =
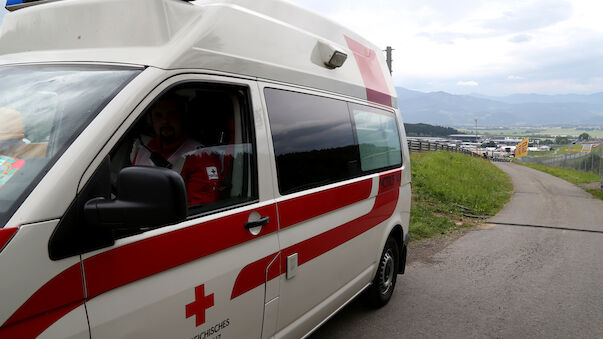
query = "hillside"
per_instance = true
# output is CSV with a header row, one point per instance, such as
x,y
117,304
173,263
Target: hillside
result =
x,y
426,130
441,108
443,181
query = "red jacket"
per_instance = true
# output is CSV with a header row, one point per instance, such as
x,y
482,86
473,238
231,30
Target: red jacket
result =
x,y
200,170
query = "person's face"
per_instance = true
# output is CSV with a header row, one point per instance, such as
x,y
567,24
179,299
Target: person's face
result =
x,y
167,120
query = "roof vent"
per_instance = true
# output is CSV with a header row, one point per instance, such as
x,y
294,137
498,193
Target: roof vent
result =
x,y
331,55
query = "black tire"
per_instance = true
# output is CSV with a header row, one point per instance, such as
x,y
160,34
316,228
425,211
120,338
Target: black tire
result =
x,y
380,291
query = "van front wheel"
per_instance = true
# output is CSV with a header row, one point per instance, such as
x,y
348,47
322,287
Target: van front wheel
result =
x,y
380,291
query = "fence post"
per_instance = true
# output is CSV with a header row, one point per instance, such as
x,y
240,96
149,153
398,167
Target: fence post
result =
x,y
601,164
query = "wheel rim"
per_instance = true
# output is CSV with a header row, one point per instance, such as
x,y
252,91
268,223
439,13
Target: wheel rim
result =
x,y
386,278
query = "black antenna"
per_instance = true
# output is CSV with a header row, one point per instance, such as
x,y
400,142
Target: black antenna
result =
x,y
388,58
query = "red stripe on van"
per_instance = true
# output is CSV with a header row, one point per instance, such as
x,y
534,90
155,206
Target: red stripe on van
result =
x,y
63,289
377,89
306,207
254,274
5,235
126,264
309,249
33,327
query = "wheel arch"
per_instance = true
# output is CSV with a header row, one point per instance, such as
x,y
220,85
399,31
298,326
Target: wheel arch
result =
x,y
397,233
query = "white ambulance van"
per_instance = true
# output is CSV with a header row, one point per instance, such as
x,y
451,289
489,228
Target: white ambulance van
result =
x,y
193,169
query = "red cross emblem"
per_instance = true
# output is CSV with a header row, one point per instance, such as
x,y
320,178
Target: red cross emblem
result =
x,y
201,303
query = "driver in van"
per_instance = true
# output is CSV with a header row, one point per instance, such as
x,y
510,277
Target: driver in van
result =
x,y
171,147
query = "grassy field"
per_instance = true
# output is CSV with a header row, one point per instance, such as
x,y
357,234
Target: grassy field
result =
x,y
573,176
567,149
549,132
442,181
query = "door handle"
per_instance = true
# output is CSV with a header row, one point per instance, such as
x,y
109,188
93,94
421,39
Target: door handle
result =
x,y
257,223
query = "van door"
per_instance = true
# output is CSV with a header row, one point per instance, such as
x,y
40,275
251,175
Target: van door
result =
x,y
328,211
204,277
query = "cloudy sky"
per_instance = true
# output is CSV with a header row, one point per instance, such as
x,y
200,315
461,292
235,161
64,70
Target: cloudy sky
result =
x,y
2,9
493,47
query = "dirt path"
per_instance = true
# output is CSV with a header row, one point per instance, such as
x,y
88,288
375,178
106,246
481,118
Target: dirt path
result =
x,y
535,270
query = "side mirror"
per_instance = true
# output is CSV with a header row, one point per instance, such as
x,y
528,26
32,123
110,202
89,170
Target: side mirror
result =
x,y
146,197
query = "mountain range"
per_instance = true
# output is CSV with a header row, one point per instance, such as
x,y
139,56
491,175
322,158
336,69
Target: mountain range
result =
x,y
442,108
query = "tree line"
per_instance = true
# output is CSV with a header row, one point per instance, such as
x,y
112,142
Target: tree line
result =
x,y
426,130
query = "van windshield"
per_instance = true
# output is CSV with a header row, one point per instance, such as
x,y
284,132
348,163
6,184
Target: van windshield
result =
x,y
42,110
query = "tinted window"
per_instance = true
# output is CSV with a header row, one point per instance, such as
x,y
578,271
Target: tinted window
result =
x,y
313,140
378,138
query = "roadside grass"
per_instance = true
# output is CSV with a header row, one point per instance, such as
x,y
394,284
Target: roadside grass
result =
x,y
573,176
541,132
596,193
567,149
537,153
442,181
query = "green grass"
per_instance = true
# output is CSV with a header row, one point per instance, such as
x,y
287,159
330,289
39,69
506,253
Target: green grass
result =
x,y
540,132
424,224
443,179
573,176
596,193
566,149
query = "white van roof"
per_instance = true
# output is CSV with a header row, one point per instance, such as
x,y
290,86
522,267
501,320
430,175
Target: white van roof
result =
x,y
268,39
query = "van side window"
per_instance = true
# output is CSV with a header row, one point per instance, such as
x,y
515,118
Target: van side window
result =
x,y
378,138
204,133
313,140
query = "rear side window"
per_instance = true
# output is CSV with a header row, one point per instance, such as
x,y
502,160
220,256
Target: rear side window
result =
x,y
378,138
313,139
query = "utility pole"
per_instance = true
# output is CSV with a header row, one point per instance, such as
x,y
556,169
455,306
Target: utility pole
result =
x,y
601,164
388,58
476,142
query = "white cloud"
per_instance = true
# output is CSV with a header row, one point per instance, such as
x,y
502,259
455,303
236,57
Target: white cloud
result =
x,y
515,77
2,10
439,41
521,38
470,83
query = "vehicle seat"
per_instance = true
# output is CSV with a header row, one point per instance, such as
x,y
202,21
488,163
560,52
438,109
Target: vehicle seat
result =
x,y
12,136
212,115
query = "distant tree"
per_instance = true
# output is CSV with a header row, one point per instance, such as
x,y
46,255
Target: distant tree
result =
x,y
562,140
426,130
547,142
489,144
584,136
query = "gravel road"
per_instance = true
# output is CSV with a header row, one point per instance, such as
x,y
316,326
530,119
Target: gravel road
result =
x,y
535,270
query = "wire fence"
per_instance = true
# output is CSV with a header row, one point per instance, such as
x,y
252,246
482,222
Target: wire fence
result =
x,y
415,145
422,146
581,161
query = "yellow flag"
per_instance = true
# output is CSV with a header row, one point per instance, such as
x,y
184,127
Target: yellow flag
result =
x,y
521,150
